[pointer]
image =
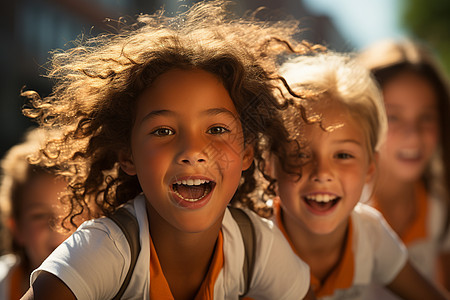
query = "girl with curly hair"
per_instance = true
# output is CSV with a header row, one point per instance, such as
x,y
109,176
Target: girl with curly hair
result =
x,y
163,119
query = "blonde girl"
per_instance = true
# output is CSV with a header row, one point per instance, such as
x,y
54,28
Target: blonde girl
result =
x,y
347,244
30,210
163,119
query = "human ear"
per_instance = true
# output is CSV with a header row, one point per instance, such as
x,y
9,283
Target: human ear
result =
x,y
248,157
372,168
126,163
13,227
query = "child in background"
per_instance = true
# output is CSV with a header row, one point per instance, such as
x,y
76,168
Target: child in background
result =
x,y
164,119
412,192
30,208
347,244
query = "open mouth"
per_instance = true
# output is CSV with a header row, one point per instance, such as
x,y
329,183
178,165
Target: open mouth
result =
x,y
192,190
321,202
409,154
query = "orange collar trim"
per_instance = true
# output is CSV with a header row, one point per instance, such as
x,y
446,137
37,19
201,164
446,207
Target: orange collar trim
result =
x,y
159,288
418,228
342,276
17,275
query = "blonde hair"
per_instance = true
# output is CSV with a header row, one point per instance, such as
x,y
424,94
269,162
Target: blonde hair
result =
x,y
17,173
338,77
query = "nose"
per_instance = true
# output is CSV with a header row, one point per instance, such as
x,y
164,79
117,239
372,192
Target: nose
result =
x,y
321,171
193,150
411,131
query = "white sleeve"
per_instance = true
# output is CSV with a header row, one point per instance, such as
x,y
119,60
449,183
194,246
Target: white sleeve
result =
x,y
390,252
279,273
92,261
445,246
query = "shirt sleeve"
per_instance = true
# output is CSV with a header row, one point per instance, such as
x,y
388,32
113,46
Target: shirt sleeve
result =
x,y
92,262
279,273
390,253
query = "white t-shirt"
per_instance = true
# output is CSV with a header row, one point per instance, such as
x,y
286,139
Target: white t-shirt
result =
x,y
378,254
94,261
424,253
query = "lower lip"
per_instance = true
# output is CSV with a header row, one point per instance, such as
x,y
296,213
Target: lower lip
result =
x,y
191,205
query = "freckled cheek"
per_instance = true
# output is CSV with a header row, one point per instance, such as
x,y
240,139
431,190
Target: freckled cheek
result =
x,y
225,153
432,139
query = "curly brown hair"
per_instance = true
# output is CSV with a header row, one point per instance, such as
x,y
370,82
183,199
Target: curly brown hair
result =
x,y
98,81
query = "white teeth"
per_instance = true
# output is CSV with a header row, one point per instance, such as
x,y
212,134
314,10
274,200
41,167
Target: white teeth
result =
x,y
321,197
192,181
410,153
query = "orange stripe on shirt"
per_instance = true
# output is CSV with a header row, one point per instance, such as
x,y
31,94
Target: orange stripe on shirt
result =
x,y
341,277
15,291
417,230
159,288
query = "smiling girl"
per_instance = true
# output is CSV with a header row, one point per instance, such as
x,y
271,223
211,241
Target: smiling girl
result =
x,y
30,208
413,190
163,119
347,244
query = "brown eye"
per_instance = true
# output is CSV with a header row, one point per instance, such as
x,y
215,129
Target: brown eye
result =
x,y
344,156
218,130
163,132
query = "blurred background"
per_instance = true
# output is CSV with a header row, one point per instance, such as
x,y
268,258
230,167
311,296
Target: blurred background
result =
x,y
31,29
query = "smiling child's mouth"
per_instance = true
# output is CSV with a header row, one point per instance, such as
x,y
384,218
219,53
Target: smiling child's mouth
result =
x,y
192,190
321,202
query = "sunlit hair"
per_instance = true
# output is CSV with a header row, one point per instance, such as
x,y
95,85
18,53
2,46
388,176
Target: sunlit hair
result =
x,y
338,77
98,82
17,174
389,59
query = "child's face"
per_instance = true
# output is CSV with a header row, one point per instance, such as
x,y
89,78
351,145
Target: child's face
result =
x,y
337,166
413,133
187,149
40,209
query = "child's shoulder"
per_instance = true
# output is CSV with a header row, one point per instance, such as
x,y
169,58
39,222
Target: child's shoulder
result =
x,y
261,225
366,212
7,262
369,221
274,260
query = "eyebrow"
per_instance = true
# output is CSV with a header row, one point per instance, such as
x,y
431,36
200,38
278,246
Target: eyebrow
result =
x,y
157,113
399,106
208,112
218,111
349,141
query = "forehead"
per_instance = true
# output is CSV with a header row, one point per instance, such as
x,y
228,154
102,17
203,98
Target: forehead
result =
x,y
337,121
410,89
43,190
181,90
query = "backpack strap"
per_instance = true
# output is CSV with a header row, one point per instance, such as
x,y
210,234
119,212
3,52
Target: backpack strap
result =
x,y
249,237
130,228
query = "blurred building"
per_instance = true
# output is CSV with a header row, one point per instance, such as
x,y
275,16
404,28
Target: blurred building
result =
x,y
30,29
